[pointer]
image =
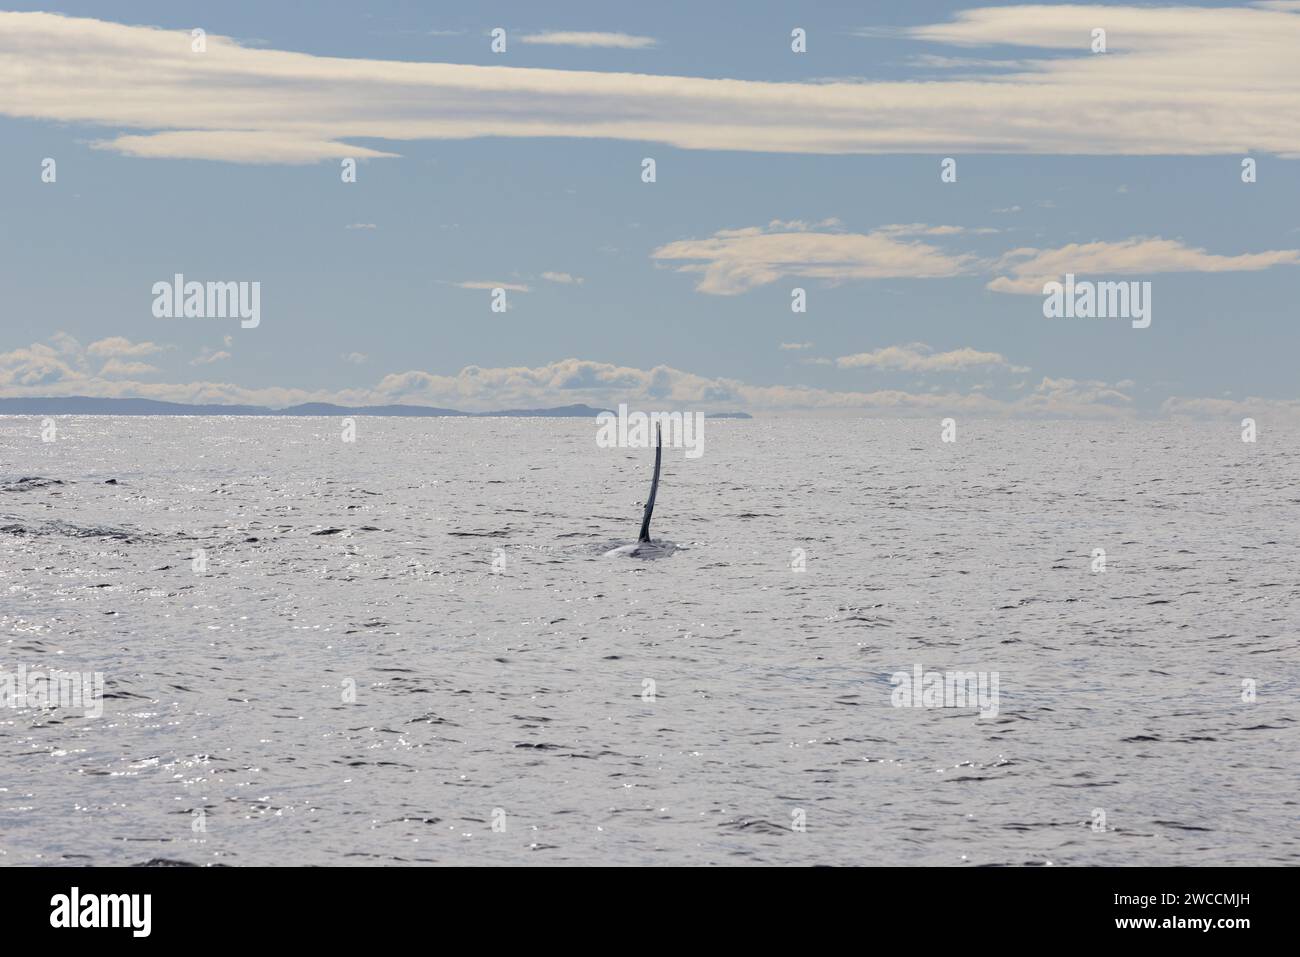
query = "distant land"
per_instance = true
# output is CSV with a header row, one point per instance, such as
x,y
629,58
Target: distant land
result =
x,y
85,405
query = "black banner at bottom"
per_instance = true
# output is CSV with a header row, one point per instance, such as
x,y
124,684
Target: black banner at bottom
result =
x,y
339,905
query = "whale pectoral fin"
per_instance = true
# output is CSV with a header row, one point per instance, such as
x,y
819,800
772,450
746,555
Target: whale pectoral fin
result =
x,y
654,487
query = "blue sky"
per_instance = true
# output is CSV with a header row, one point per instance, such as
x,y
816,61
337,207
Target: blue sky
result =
x,y
818,170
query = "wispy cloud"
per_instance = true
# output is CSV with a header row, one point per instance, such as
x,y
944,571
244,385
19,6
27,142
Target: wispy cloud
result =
x,y
209,356
922,229
562,38
120,347
733,261
122,368
489,284
1287,410
240,146
1029,268
563,278
239,104
919,357
933,61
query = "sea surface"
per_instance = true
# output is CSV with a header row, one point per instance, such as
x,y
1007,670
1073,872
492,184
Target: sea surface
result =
x,y
411,648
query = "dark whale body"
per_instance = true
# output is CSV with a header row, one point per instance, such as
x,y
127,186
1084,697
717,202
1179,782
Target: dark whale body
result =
x,y
645,547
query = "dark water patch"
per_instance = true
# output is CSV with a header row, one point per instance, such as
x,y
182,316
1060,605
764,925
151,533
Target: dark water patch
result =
x,y
1085,784
170,862
754,825
30,483
68,530
431,718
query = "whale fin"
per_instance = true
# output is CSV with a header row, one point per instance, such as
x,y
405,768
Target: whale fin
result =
x,y
654,487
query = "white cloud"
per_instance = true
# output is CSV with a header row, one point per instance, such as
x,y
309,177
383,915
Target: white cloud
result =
x,y
796,346
733,261
35,367
563,277
580,380
59,365
1152,95
356,358
1056,394
1029,268
360,226
66,345
918,357
58,368
560,38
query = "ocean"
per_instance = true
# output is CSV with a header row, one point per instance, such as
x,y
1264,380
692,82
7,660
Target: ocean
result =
x,y
411,648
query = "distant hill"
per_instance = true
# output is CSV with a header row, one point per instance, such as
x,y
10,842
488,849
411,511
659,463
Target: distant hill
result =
x,y
84,405
563,411
329,408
